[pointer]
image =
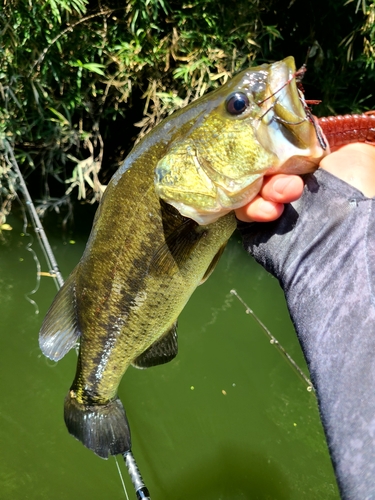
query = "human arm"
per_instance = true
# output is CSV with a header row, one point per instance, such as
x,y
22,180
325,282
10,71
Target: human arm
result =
x,y
322,251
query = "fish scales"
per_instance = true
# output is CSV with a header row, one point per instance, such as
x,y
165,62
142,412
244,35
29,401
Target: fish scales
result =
x,y
159,231
120,277
121,273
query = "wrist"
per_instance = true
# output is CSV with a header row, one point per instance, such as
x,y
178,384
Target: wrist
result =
x,y
355,165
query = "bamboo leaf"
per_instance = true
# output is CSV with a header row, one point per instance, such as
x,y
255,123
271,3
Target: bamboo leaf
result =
x,y
61,117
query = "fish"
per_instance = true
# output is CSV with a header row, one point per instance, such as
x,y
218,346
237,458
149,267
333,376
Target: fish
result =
x,y
160,229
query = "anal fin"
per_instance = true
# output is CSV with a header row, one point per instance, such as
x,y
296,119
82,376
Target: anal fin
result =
x,y
160,352
59,331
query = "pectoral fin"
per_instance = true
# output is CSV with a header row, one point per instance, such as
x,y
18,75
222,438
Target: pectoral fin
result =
x,y
212,266
59,331
177,248
160,352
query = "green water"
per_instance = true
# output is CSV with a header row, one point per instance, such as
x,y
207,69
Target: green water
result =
x,y
228,419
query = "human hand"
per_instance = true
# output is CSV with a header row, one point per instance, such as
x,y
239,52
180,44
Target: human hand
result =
x,y
268,205
353,163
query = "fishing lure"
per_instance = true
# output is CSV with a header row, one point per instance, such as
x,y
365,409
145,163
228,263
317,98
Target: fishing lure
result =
x,y
344,129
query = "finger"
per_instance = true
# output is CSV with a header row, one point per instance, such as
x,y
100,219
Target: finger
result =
x,y
260,210
282,188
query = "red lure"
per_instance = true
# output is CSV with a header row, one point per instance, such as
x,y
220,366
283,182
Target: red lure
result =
x,y
344,129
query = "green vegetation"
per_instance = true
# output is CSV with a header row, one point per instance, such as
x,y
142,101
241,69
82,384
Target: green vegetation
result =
x,y
81,80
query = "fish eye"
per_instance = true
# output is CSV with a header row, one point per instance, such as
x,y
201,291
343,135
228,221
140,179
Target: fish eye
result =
x,y
237,103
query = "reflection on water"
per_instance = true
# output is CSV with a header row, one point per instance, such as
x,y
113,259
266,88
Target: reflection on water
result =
x,y
228,419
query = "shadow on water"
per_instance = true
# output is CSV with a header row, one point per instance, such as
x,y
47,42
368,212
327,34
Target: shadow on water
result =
x,y
228,419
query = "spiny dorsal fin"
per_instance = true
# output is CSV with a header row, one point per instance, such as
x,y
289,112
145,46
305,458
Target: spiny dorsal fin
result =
x,y
160,352
59,331
213,264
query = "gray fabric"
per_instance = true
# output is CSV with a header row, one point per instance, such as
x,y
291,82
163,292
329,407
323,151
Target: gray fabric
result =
x,y
322,251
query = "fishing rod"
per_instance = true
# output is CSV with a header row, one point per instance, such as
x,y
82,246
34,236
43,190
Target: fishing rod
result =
x,y
39,230
140,488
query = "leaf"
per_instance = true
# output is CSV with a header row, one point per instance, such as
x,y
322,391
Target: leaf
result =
x,y
94,68
61,117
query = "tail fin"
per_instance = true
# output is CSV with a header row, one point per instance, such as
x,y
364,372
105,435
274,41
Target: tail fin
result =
x,y
104,429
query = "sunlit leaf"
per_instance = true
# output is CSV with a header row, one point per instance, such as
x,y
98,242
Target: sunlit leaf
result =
x,y
61,117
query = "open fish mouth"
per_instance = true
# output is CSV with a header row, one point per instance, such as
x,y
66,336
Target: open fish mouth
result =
x,y
284,115
254,125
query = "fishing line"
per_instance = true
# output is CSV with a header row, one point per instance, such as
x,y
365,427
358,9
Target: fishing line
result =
x,y
275,342
122,480
35,257
131,465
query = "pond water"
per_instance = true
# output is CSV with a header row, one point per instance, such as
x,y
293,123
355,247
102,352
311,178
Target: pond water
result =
x,y
228,419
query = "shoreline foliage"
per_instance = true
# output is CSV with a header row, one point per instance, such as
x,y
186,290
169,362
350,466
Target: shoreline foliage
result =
x,y
81,80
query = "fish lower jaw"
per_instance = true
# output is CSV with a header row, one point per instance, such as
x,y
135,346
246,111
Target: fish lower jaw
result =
x,y
201,216
296,165
224,203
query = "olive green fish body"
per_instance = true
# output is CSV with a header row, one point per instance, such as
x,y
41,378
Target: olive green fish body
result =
x,y
140,286
140,267
142,262
161,226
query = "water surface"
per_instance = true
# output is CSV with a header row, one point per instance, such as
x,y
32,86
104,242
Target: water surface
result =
x,y
228,419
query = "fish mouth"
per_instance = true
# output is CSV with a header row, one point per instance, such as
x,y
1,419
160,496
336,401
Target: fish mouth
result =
x,y
284,128
218,165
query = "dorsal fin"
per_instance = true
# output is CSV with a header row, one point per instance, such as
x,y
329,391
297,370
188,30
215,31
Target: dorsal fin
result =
x,y
160,352
59,331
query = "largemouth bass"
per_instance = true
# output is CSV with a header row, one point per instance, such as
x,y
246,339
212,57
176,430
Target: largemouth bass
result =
x,y
160,228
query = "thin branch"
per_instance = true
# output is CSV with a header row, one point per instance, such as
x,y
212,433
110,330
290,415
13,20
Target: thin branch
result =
x,y
39,61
